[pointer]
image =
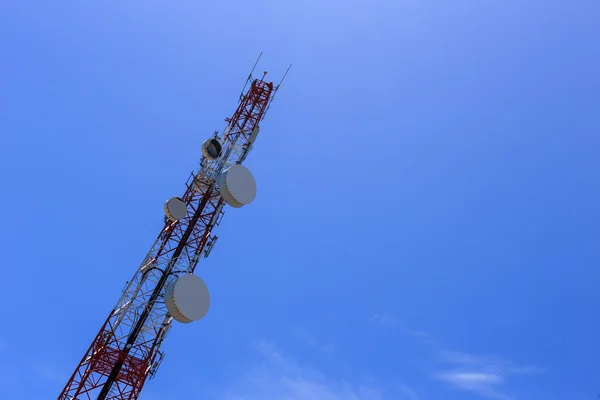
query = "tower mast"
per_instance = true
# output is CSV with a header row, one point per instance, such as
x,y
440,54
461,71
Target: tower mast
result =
x,y
126,350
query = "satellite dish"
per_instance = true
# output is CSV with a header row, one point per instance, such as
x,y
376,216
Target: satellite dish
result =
x,y
237,186
211,149
187,298
175,209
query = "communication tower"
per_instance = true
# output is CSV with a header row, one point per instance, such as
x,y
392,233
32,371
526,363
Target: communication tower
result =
x,y
126,350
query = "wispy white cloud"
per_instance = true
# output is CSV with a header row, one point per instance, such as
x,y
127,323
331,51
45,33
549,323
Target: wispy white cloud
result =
x,y
481,383
408,392
320,341
483,375
489,363
385,319
278,376
422,335
486,376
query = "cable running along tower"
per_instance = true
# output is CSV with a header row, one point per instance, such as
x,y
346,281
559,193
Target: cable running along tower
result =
x,y
126,350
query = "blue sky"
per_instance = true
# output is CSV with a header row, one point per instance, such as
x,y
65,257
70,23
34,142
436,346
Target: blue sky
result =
x,y
426,224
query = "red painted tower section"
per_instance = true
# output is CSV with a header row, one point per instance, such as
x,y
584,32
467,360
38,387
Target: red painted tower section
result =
x,y
126,350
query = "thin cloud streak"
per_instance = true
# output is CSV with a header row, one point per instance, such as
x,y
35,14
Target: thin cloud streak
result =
x,y
277,376
476,382
385,319
486,376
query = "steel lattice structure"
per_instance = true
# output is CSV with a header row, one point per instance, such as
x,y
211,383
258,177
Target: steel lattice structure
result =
x,y
126,350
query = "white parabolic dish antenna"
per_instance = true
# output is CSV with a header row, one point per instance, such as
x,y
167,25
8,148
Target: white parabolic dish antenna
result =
x,y
237,186
175,209
187,298
211,149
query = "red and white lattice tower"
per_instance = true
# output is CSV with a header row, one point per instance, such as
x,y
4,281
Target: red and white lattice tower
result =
x,y
126,350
